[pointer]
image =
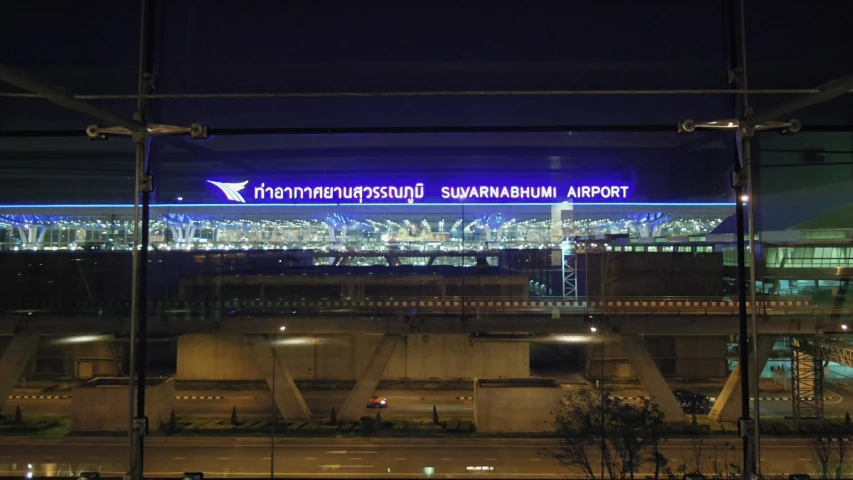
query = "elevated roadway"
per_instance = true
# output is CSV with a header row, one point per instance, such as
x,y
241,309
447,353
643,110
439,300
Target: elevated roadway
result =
x,y
671,316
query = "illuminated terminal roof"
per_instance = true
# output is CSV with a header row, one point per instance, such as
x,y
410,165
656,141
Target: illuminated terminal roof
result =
x,y
372,227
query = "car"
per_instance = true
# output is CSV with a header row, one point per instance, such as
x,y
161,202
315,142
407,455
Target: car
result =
x,y
377,402
692,402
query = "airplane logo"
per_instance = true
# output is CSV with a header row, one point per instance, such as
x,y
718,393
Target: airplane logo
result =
x,y
231,190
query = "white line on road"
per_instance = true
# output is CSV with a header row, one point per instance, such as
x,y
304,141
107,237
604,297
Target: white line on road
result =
x,y
179,458
491,459
93,458
444,459
401,458
535,459
355,458
223,458
306,458
346,466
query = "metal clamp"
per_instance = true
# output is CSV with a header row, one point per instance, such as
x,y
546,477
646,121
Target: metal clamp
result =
x,y
140,426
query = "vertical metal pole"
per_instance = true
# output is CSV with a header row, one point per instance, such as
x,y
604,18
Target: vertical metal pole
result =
x,y
603,429
746,136
273,407
138,327
753,308
735,32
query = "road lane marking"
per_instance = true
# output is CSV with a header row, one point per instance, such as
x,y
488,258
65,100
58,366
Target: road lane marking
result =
x,y
355,458
93,458
444,459
306,458
223,458
400,458
344,452
491,459
535,459
179,458
346,466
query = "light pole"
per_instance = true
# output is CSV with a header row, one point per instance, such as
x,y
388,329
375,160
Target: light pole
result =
x,y
281,329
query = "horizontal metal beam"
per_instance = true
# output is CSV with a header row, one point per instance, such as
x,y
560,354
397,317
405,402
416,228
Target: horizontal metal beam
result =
x,y
62,98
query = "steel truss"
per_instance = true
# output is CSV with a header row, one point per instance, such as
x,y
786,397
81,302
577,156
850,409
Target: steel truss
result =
x,y
569,270
807,379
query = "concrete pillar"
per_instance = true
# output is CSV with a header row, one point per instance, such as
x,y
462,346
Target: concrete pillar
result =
x,y
289,400
727,407
651,378
365,386
14,360
556,233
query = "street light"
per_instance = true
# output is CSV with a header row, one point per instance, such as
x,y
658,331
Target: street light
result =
x,y
281,329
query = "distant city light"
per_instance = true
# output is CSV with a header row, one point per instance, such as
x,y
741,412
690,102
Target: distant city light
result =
x,y
844,326
593,329
282,328
744,198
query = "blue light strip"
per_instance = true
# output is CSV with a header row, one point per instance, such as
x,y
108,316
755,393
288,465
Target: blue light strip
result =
x,y
335,205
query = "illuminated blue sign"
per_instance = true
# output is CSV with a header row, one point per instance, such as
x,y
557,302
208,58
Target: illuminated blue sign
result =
x,y
402,193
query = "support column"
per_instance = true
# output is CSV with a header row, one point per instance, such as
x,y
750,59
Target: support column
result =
x,y
14,360
287,397
653,382
359,396
727,406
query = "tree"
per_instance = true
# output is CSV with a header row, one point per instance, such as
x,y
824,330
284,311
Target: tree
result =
x,y
334,419
596,428
434,415
234,415
173,422
19,416
829,455
822,453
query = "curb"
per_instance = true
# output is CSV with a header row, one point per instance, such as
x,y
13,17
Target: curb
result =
x,y
714,399
39,397
66,397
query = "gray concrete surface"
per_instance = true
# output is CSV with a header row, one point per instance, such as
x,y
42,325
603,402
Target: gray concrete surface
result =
x,y
328,458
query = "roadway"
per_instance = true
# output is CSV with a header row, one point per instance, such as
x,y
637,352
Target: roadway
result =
x,y
469,457
257,403
403,404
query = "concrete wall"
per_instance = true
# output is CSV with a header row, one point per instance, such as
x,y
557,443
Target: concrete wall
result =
x,y
700,356
520,409
682,356
104,408
84,359
343,357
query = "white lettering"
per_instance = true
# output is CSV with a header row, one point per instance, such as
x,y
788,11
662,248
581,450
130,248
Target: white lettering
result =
x,y
513,191
572,193
624,192
445,192
259,192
